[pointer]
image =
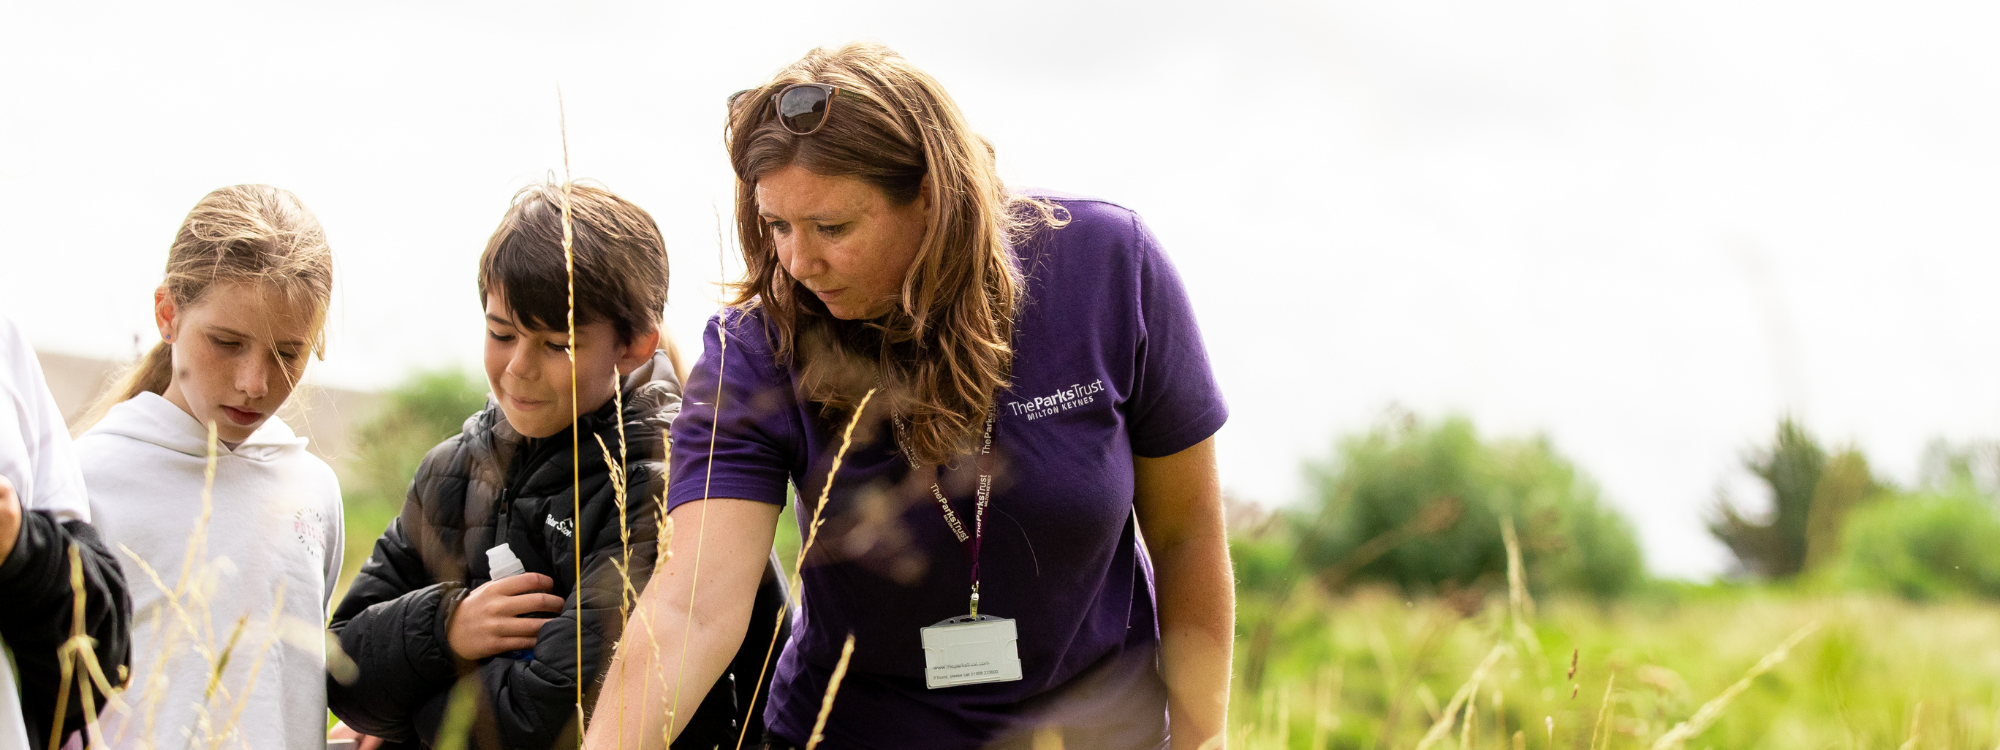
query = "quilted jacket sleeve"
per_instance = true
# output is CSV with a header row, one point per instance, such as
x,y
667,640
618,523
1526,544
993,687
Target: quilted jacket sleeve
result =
x,y
392,624
36,582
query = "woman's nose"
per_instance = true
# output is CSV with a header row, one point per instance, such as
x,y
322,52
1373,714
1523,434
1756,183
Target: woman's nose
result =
x,y
801,257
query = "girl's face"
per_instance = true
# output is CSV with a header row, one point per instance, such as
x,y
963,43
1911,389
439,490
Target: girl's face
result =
x,y
842,238
237,354
528,369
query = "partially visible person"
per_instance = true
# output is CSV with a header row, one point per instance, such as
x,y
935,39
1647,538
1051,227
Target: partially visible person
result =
x,y
436,604
44,523
236,529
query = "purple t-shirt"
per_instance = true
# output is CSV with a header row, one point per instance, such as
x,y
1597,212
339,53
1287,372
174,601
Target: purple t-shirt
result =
x,y
1108,364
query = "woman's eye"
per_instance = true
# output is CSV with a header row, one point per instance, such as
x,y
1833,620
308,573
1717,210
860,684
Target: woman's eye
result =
x,y
498,337
778,227
835,230
289,356
558,347
226,343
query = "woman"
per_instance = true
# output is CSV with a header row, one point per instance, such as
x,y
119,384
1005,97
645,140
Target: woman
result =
x,y
1040,397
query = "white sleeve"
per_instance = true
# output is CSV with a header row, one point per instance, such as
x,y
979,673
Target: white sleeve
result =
x,y
41,464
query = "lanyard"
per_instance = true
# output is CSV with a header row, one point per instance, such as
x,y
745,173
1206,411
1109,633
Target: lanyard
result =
x,y
968,542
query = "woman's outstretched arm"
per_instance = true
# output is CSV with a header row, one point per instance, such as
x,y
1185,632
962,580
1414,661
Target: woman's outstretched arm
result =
x,y
731,540
1179,501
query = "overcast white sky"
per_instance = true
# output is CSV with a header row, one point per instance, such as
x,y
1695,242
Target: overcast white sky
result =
x,y
1646,229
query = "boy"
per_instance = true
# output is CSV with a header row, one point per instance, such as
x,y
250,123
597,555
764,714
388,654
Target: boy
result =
x,y
426,612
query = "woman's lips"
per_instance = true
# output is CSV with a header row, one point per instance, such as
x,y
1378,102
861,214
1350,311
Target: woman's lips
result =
x,y
524,404
242,417
828,295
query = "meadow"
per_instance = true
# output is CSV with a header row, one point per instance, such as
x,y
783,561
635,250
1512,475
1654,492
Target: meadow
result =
x,y
1527,649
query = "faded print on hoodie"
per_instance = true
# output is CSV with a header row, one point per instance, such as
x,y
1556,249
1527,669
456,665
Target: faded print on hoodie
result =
x,y
265,565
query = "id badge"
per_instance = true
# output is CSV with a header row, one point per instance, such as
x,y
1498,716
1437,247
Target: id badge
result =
x,y
971,651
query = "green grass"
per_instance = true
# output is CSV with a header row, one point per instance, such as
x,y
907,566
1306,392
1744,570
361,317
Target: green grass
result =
x,y
1372,669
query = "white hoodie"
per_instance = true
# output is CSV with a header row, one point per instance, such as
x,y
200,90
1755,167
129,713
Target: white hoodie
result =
x,y
274,530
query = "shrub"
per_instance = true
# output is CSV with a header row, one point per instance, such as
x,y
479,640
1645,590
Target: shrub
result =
x,y
1382,485
421,412
1925,546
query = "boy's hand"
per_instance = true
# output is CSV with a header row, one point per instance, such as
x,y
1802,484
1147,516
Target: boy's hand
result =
x,y
10,518
489,621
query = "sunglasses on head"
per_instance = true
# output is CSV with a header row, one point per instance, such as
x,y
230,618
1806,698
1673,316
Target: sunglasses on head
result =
x,y
802,107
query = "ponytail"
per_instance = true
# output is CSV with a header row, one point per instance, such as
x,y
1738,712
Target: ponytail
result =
x,y
150,374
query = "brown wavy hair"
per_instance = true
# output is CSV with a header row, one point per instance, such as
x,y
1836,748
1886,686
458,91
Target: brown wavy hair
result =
x,y
945,349
254,233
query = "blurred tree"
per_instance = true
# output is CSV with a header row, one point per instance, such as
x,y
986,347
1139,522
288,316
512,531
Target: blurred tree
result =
x,y
1419,505
1775,547
418,414
1812,495
1845,484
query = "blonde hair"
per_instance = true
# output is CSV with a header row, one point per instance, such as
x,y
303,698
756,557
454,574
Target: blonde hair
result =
x,y
241,233
946,349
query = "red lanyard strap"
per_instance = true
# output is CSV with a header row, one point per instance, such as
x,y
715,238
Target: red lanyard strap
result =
x,y
969,543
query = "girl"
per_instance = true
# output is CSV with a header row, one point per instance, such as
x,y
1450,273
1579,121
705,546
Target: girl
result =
x,y
230,529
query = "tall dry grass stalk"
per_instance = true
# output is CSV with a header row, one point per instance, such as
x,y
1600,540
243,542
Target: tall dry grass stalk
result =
x,y
1604,713
700,535
77,656
177,622
832,691
1520,605
1713,709
1442,727
575,452
797,584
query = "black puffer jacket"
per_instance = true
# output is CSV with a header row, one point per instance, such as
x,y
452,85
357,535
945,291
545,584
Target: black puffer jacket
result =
x,y
36,584
392,621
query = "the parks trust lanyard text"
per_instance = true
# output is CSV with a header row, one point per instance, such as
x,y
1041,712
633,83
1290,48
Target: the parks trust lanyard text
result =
x,y
968,542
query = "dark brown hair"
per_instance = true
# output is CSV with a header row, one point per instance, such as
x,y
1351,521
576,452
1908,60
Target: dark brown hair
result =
x,y
619,258
946,349
241,233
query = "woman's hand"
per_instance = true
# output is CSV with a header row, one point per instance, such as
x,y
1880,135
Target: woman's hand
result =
x,y
1179,502
342,731
489,621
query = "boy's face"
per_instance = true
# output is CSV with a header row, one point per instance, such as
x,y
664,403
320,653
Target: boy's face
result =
x,y
528,369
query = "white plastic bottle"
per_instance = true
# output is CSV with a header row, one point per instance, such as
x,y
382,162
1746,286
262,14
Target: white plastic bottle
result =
x,y
501,563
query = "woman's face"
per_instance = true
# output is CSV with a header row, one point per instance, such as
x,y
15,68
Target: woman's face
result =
x,y
842,238
237,354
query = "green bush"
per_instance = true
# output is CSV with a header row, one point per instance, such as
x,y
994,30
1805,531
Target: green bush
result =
x,y
1925,546
1437,492
421,412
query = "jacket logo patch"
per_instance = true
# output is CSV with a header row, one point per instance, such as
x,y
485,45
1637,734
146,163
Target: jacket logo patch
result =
x,y
562,526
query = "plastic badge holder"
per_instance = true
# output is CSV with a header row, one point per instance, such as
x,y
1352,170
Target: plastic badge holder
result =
x,y
971,651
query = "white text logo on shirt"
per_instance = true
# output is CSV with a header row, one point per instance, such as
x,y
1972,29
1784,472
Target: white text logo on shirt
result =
x,y
1063,399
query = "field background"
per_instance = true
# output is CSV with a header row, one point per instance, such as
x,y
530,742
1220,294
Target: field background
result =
x,y
1369,663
